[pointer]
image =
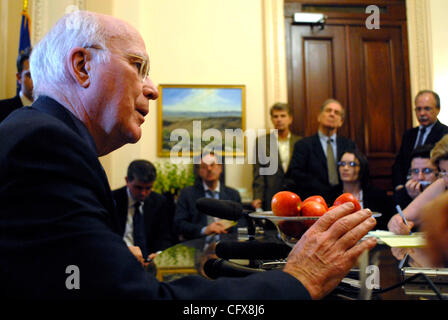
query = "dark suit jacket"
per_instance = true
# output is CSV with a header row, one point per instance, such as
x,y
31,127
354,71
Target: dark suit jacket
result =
x,y
9,105
403,159
188,221
308,174
157,226
402,198
57,213
266,186
377,200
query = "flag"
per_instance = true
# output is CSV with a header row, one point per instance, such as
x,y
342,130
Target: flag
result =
x,y
25,39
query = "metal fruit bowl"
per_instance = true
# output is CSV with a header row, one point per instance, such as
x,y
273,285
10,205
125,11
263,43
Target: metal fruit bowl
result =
x,y
291,229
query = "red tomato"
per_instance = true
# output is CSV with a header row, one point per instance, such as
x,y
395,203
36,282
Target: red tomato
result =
x,y
316,199
286,204
347,197
312,209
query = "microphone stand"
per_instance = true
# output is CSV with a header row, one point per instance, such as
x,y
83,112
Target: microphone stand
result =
x,y
250,227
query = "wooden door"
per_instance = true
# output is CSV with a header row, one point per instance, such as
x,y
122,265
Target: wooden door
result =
x,y
318,72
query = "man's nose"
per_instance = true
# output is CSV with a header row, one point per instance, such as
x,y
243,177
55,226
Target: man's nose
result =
x,y
150,90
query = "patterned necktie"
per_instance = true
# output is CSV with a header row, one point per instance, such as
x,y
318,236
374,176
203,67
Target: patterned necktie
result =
x,y
331,164
420,137
210,194
139,229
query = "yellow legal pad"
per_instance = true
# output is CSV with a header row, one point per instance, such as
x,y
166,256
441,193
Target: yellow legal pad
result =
x,y
414,240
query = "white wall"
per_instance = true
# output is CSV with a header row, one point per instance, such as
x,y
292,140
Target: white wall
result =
x,y
439,26
197,42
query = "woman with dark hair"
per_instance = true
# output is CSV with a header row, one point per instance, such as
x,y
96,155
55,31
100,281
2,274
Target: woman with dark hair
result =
x,y
353,169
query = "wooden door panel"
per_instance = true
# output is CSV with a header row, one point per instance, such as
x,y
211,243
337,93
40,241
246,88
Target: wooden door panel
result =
x,y
379,96
318,72
378,110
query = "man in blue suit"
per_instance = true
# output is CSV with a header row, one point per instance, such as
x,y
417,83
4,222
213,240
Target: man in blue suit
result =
x,y
142,212
429,131
25,96
188,221
92,87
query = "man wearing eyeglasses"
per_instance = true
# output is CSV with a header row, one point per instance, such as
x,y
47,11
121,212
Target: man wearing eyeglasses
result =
x,y
92,89
25,96
430,131
313,168
421,174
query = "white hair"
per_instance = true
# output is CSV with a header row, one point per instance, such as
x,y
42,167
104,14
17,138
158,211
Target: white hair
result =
x,y
47,62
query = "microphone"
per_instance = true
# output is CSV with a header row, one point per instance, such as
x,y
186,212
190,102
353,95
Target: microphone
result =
x,y
223,209
215,268
252,250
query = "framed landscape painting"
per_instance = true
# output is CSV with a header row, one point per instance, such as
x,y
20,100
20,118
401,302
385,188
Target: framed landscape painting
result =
x,y
196,118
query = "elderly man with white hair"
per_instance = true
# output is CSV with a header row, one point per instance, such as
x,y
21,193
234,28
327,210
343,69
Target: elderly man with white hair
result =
x,y
58,229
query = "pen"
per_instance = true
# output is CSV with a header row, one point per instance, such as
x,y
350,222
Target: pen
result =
x,y
401,214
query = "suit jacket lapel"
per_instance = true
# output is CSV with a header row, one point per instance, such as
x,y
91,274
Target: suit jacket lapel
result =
x,y
122,209
318,151
435,132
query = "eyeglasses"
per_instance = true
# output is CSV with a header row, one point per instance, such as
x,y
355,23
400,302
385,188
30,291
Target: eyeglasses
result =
x,y
423,171
350,163
443,174
142,65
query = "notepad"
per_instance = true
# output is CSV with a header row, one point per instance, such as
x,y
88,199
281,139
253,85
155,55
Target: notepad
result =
x,y
228,223
414,240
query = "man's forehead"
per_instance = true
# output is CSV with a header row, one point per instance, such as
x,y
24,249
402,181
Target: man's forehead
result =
x,y
333,105
124,37
137,182
422,162
279,113
425,98
209,159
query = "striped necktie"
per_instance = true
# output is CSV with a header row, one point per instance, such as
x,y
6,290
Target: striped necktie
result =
x,y
139,229
331,164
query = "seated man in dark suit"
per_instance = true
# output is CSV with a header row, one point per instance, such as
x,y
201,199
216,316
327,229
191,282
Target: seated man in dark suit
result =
x,y
421,174
25,96
67,228
188,222
313,169
141,211
430,131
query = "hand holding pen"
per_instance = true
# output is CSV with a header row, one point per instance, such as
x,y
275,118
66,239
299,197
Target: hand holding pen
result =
x,y
400,212
399,224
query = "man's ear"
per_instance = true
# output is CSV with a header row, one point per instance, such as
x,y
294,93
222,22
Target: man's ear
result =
x,y
79,66
19,77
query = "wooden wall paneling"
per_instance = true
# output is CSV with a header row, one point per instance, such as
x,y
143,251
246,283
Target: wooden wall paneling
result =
x,y
318,72
379,96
